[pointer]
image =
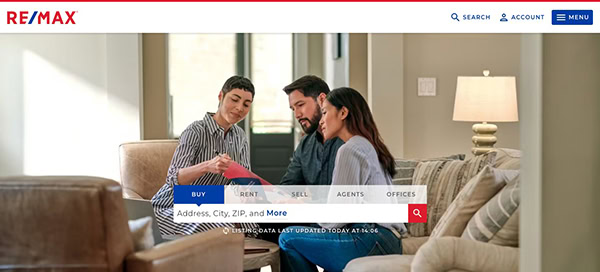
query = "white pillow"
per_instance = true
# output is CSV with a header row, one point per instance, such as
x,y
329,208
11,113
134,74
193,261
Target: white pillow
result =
x,y
141,233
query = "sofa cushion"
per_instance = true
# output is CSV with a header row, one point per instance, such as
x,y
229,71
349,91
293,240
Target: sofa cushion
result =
x,y
475,194
508,159
497,221
456,254
410,245
405,168
394,262
444,180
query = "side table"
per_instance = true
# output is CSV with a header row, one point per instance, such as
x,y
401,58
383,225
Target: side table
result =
x,y
254,261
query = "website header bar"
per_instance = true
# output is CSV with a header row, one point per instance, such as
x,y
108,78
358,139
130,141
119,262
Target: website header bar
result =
x,y
298,17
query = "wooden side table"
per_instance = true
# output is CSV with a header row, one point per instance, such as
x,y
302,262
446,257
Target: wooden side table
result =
x,y
257,260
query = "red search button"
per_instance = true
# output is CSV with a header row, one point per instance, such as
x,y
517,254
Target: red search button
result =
x,y
417,213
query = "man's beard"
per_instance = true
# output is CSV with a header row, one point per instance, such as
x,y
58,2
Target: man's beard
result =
x,y
313,123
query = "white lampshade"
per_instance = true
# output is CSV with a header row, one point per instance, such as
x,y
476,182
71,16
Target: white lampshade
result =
x,y
486,99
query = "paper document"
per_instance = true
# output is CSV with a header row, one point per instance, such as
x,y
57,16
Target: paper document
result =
x,y
235,170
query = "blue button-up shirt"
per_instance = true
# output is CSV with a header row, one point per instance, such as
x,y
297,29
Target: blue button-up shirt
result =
x,y
313,161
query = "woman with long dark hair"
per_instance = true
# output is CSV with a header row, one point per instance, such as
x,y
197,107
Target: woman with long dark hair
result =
x,y
362,160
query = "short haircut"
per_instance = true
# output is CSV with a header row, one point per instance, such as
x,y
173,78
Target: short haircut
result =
x,y
308,85
238,82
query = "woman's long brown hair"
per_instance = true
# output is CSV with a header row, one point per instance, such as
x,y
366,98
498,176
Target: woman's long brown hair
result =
x,y
360,122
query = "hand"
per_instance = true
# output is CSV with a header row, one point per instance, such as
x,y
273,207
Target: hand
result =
x,y
219,164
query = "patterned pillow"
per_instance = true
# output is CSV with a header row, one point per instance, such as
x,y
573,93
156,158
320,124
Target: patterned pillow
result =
x,y
444,180
479,190
405,168
497,221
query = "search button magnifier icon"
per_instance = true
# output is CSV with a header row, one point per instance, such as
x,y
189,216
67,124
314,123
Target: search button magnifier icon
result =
x,y
454,16
416,212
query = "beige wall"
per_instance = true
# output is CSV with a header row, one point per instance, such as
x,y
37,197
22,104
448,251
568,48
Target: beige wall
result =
x,y
530,234
420,127
155,86
315,54
357,63
571,153
428,127
67,101
385,88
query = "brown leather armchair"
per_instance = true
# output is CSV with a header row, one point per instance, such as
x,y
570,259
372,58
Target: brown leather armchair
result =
x,y
80,224
144,166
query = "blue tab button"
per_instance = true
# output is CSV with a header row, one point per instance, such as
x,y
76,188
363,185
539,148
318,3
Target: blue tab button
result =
x,y
199,194
572,17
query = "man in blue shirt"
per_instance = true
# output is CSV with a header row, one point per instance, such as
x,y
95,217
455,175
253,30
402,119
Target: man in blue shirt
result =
x,y
314,158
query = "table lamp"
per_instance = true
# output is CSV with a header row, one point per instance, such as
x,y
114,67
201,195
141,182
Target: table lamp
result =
x,y
485,99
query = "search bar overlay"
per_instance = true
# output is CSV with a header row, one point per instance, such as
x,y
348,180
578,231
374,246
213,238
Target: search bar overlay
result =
x,y
308,204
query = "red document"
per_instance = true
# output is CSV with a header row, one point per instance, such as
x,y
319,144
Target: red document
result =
x,y
235,170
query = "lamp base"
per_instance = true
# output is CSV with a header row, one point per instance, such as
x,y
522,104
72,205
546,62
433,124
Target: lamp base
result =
x,y
484,138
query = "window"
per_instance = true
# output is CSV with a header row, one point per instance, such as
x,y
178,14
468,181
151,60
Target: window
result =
x,y
271,69
198,65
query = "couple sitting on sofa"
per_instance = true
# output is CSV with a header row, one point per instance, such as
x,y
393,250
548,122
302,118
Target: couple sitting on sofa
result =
x,y
342,146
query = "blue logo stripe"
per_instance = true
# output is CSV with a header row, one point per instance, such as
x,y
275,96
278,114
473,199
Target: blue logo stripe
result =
x,y
32,17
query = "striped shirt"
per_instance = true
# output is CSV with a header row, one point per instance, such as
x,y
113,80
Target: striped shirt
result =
x,y
357,163
200,142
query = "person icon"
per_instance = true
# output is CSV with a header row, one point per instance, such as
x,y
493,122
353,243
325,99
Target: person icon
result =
x,y
503,19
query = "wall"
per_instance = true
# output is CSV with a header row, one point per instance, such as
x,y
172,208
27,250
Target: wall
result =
x,y
530,234
336,70
571,152
155,86
428,127
61,98
357,63
315,54
385,88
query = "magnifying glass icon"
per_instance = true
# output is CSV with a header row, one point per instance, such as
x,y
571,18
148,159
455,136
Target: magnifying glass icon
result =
x,y
454,16
416,212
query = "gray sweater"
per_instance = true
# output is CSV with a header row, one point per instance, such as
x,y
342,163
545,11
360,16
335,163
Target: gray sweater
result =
x,y
357,163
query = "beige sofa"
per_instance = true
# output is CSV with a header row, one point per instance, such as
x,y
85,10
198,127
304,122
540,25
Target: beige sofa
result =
x,y
449,253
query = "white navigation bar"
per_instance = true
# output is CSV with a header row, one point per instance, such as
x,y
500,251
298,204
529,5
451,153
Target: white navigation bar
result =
x,y
291,17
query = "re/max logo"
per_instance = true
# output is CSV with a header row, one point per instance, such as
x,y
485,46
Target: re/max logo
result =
x,y
43,17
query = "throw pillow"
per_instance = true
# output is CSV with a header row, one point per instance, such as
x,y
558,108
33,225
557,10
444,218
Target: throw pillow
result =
x,y
497,221
405,168
508,235
475,194
508,159
444,179
141,233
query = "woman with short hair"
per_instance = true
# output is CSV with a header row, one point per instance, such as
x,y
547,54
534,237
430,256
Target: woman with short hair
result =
x,y
206,149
